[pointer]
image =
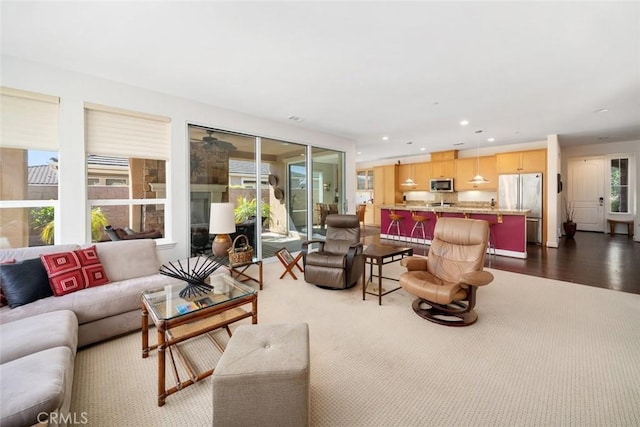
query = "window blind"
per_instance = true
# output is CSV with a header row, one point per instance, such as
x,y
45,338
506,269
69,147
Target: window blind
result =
x,y
121,133
28,120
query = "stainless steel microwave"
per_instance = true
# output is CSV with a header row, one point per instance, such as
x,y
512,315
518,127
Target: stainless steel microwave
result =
x,y
441,185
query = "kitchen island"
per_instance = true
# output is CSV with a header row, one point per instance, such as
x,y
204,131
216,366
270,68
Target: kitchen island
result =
x,y
508,227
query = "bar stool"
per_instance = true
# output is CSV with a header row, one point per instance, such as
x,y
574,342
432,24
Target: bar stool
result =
x,y
396,222
419,224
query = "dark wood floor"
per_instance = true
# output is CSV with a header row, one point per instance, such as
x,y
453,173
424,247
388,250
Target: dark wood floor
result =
x,y
593,259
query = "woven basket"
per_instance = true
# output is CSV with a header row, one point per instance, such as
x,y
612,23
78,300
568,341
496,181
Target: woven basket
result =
x,y
242,253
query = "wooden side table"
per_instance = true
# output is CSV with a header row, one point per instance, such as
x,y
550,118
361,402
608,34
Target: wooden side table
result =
x,y
381,255
239,271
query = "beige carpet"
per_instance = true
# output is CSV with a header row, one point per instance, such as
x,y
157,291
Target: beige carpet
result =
x,y
543,353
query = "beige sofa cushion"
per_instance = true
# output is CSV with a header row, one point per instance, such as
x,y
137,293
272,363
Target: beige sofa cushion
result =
x,y
37,333
128,259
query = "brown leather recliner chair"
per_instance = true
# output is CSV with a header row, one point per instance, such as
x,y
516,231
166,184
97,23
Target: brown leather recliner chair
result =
x,y
338,263
446,282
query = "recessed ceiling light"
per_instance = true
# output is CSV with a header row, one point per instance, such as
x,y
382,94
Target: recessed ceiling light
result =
x,y
385,138
359,152
423,149
602,110
491,139
295,118
464,122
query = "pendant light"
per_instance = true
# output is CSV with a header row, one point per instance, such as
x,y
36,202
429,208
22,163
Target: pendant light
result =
x,y
478,179
408,182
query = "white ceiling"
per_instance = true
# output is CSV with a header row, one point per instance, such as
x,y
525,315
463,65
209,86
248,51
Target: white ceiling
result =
x,y
410,70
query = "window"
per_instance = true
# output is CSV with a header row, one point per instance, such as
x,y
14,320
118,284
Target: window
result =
x,y
251,183
28,168
619,193
126,169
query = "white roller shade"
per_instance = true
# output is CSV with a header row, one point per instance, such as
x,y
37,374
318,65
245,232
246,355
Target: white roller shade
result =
x,y
28,120
120,133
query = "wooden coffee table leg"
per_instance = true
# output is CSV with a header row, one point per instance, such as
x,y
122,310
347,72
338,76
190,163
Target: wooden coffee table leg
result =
x,y
254,308
145,332
162,393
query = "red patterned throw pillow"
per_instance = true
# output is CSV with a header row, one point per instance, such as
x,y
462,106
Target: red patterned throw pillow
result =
x,y
71,271
92,269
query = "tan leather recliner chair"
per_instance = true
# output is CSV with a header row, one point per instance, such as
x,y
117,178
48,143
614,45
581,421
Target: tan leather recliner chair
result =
x,y
446,282
338,263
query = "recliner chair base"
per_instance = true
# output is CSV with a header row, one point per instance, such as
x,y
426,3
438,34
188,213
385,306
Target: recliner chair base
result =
x,y
454,314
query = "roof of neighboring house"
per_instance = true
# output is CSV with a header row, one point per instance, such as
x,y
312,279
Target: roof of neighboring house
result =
x,y
246,167
45,175
42,175
94,160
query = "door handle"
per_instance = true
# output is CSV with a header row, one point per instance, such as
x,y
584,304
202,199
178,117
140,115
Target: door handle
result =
x,y
601,200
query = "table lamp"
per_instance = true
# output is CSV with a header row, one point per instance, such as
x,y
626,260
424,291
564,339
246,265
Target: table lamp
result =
x,y
221,223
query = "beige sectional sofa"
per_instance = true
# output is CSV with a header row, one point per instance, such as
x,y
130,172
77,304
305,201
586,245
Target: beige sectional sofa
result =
x,y
89,316
103,311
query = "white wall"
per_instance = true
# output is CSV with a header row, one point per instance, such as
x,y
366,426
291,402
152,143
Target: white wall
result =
x,y
75,89
610,150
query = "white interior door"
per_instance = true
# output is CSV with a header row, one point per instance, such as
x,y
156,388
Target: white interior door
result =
x,y
585,190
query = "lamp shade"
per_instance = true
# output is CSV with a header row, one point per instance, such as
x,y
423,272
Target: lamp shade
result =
x,y
222,219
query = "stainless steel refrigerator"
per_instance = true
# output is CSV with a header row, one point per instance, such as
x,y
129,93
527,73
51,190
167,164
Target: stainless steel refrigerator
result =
x,y
523,191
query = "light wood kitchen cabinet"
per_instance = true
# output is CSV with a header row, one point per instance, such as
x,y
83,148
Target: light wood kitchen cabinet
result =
x,y
404,173
444,155
522,161
443,169
466,169
385,179
420,173
365,179
423,174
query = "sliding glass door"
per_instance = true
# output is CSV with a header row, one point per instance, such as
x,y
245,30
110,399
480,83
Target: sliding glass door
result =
x,y
287,199
222,168
270,193
328,189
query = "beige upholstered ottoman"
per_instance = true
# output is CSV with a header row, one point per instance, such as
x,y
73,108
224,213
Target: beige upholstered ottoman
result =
x,y
262,378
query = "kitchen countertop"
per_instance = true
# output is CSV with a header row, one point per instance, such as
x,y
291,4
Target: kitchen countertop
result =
x,y
457,209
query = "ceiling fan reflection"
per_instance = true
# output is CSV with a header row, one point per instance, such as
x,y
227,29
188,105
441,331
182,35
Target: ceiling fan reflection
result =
x,y
211,141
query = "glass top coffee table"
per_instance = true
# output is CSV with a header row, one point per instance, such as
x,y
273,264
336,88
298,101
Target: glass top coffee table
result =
x,y
178,319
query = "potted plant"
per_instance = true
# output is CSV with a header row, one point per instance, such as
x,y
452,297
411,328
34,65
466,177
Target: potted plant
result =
x,y
569,225
246,208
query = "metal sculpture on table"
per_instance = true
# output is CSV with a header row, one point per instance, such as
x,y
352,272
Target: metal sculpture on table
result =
x,y
194,276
